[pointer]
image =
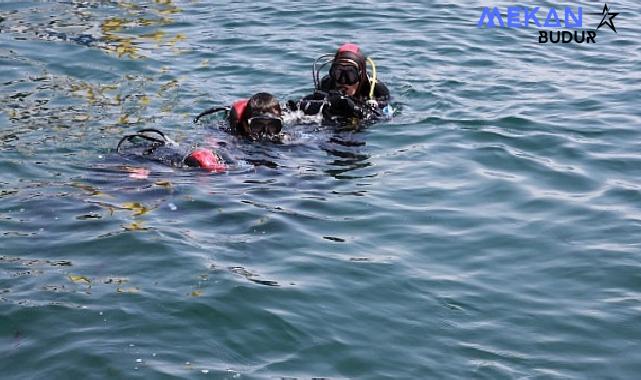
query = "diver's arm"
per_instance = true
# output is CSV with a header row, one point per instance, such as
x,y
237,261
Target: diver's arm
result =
x,y
310,104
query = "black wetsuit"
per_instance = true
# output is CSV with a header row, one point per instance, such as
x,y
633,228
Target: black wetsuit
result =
x,y
153,145
166,155
337,106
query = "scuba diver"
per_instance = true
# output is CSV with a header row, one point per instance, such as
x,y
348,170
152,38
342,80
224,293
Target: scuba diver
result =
x,y
152,144
348,91
256,118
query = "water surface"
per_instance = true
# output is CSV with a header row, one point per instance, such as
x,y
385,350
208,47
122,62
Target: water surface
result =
x,y
490,230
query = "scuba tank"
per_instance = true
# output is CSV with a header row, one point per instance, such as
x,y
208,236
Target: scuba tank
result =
x,y
154,145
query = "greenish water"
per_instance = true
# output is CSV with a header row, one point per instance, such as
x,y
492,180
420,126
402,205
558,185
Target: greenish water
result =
x,y
491,230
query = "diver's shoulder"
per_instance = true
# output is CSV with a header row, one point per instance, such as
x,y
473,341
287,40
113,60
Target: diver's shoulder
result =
x,y
381,89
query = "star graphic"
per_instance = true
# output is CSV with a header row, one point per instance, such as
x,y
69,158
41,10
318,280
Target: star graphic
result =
x,y
607,18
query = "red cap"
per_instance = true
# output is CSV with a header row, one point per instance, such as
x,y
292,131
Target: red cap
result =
x,y
207,160
352,48
353,52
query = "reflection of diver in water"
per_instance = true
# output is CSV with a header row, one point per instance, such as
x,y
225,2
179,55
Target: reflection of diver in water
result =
x,y
348,92
349,153
152,144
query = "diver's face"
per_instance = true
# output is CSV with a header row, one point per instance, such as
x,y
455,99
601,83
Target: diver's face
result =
x,y
346,75
267,125
349,90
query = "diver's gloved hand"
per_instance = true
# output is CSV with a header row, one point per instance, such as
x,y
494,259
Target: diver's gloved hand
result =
x,y
308,106
334,97
292,105
373,108
343,106
317,95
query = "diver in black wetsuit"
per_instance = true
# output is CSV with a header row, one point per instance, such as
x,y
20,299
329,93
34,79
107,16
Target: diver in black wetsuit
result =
x,y
152,144
347,91
256,118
